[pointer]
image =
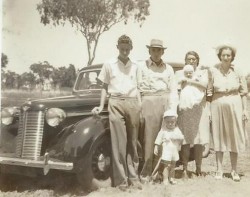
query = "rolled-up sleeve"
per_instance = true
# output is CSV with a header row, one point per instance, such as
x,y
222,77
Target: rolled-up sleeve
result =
x,y
173,97
104,75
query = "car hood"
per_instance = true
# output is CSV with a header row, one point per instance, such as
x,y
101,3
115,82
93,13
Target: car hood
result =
x,y
67,102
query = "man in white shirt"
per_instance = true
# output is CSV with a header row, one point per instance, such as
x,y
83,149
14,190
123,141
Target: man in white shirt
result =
x,y
119,77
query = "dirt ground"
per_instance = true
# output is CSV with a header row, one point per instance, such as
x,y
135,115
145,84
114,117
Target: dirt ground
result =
x,y
196,186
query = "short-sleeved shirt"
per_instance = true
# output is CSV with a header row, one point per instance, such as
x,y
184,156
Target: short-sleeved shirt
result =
x,y
227,82
171,141
121,79
158,78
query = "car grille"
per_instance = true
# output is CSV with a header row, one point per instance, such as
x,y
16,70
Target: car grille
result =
x,y
30,134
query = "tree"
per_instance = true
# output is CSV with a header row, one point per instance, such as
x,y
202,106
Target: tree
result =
x,y
64,77
4,60
58,76
11,79
42,69
92,17
28,78
70,76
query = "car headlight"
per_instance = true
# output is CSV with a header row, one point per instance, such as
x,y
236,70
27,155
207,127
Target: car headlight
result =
x,y
7,115
54,116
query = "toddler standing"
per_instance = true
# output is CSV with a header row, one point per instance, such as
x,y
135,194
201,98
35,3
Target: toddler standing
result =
x,y
169,139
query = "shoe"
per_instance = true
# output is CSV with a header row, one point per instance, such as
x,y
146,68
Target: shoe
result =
x,y
184,175
198,172
145,179
235,176
172,181
218,175
165,182
122,187
135,185
157,178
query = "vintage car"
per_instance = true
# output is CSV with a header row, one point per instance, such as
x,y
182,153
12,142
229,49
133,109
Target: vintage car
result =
x,y
60,134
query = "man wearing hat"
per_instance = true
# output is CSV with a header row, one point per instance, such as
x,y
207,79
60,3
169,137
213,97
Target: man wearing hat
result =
x,y
159,92
119,77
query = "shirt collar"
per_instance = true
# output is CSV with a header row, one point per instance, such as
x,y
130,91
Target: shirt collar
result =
x,y
116,60
151,63
231,69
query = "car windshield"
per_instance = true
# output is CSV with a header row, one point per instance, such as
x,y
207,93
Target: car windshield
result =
x,y
88,80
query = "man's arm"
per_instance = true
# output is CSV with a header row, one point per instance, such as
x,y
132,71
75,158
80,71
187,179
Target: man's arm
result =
x,y
98,110
174,97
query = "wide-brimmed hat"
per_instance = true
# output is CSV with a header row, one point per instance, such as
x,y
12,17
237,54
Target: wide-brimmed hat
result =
x,y
225,46
155,43
170,113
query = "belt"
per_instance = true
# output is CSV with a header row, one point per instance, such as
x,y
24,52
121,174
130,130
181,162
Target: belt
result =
x,y
123,97
226,93
160,93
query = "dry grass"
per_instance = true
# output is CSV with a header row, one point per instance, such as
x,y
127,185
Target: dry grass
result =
x,y
15,97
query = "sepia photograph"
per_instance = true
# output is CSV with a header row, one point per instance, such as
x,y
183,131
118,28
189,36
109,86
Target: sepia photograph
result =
x,y
125,98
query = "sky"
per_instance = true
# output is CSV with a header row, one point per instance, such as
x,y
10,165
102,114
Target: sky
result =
x,y
199,25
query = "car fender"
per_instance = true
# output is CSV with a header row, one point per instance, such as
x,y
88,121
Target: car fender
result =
x,y
75,141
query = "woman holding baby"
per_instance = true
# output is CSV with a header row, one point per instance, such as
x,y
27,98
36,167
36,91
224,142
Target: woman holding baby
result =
x,y
193,115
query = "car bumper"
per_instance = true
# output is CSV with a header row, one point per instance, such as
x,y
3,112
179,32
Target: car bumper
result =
x,y
45,164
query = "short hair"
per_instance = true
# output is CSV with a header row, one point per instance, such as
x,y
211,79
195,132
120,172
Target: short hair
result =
x,y
226,47
194,54
124,39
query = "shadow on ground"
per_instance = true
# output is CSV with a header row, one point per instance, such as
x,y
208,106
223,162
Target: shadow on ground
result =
x,y
59,182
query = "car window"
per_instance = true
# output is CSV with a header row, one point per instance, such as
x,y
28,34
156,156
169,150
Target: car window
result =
x,y
88,80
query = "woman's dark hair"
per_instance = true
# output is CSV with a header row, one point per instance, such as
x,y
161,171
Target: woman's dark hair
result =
x,y
223,48
194,54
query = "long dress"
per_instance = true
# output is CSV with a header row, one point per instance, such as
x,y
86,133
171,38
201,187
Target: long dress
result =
x,y
194,122
228,130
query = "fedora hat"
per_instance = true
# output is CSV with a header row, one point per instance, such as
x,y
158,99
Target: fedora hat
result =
x,y
155,43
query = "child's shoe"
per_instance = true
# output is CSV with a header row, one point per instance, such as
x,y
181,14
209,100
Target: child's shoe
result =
x,y
172,181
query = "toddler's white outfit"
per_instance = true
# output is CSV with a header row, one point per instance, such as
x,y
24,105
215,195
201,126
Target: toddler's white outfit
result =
x,y
171,141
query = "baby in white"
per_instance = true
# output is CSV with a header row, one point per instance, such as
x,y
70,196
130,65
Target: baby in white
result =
x,y
169,139
190,95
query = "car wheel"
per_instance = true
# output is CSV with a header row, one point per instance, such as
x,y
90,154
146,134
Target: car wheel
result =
x,y
97,166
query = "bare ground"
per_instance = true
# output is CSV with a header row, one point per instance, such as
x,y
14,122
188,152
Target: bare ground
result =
x,y
17,186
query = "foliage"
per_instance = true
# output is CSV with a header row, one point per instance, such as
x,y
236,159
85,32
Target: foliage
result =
x,y
42,70
40,73
28,78
4,60
70,76
92,17
64,77
10,79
